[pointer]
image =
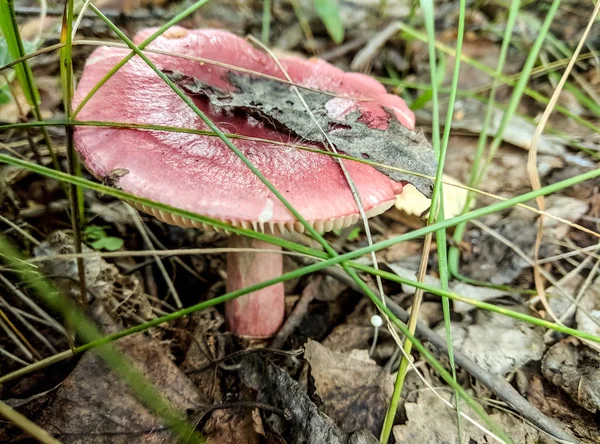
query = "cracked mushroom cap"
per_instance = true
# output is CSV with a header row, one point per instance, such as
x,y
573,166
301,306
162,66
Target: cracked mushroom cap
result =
x,y
199,173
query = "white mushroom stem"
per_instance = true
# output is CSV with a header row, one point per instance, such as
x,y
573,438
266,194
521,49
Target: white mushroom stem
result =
x,y
258,314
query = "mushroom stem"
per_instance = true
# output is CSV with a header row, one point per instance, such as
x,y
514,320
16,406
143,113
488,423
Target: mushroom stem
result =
x,y
258,314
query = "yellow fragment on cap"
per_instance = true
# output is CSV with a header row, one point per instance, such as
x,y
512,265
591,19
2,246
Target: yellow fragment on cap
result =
x,y
175,33
412,202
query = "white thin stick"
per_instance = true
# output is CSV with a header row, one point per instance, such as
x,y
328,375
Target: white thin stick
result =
x,y
140,227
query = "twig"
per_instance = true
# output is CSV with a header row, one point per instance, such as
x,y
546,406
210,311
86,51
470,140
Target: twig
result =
x,y
284,413
138,223
26,425
297,315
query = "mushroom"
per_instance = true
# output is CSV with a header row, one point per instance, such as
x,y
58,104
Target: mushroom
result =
x,y
200,174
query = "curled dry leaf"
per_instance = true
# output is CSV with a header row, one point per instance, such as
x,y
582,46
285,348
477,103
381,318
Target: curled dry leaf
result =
x,y
576,370
497,343
432,421
302,422
354,389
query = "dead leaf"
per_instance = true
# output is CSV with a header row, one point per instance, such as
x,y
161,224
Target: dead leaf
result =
x,y
432,421
497,343
354,389
353,130
94,406
588,312
575,369
302,422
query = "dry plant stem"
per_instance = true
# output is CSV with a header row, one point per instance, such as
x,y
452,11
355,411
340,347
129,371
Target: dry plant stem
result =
x,y
148,243
498,385
16,338
297,314
26,425
258,314
532,161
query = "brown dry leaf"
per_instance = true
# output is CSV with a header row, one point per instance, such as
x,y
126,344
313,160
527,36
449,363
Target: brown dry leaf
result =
x,y
497,343
94,406
299,421
354,389
432,421
414,203
588,312
575,369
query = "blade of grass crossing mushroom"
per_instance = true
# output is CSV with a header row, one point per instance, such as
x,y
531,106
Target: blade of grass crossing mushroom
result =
x,y
305,148
532,164
436,211
149,40
10,30
327,262
330,251
355,194
145,392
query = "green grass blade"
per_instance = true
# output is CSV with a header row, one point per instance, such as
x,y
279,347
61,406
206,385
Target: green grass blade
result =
x,y
266,22
329,13
8,25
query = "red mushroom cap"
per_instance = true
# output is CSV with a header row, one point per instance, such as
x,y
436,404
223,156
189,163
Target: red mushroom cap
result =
x,y
199,173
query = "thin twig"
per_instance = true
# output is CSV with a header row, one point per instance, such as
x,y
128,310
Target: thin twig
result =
x,y
297,314
140,227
